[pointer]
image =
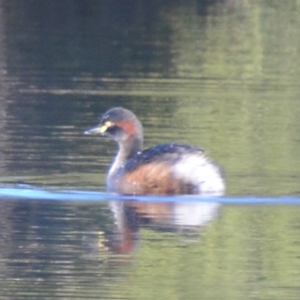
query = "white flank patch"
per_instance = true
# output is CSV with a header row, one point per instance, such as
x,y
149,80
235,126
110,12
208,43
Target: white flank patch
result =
x,y
201,172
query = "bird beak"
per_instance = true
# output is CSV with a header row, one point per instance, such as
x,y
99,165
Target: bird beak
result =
x,y
99,129
96,130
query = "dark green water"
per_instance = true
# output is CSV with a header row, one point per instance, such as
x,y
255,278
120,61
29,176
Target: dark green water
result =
x,y
223,75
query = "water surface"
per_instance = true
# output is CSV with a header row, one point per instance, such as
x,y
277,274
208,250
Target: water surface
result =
x,y
222,75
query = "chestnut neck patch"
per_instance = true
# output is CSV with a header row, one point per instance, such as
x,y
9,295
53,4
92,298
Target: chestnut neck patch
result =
x,y
128,126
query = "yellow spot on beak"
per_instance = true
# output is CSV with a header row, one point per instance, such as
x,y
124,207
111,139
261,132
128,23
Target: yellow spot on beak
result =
x,y
105,126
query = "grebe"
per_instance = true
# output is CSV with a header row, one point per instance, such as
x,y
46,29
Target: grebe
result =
x,y
166,169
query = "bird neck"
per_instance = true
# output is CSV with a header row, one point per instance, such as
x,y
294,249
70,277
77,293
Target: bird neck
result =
x,y
127,149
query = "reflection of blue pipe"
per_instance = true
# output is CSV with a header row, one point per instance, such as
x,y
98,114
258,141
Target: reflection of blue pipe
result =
x,y
32,193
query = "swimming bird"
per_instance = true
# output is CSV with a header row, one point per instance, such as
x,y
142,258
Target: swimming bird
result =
x,y
165,169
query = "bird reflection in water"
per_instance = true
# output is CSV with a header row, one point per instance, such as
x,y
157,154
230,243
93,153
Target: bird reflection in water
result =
x,y
131,216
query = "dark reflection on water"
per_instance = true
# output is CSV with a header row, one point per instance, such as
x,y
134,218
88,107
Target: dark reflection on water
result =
x,y
85,249
42,250
128,249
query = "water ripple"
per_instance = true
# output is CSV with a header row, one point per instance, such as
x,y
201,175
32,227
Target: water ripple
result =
x,y
35,193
